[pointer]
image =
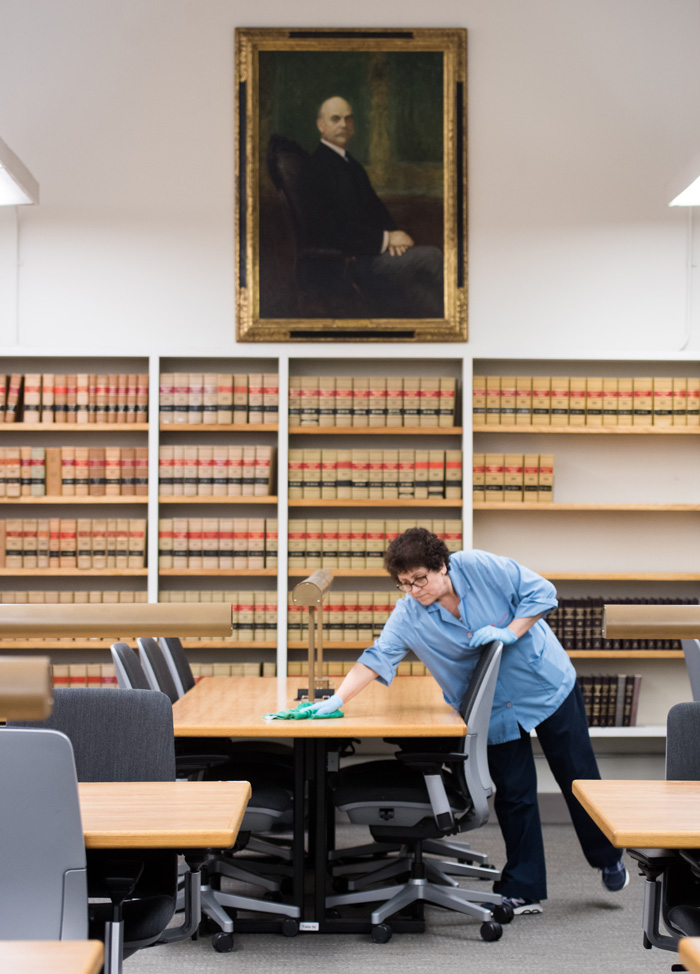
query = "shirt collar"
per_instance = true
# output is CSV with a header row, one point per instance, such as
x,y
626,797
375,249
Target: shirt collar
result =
x,y
460,585
335,148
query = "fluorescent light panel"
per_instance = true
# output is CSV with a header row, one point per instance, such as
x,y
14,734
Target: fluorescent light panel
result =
x,y
17,185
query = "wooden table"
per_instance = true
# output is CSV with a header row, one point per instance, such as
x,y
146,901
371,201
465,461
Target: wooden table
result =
x,y
689,953
644,814
51,956
233,707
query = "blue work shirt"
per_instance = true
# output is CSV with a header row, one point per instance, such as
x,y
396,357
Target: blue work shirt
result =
x,y
536,674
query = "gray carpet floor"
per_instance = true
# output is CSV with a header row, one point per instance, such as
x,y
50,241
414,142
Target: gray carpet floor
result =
x,y
583,929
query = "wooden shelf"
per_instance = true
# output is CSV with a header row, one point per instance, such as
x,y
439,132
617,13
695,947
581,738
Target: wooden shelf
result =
x,y
625,653
74,427
596,430
555,506
377,430
219,427
341,572
350,645
228,644
621,576
382,502
58,572
270,499
74,500
219,572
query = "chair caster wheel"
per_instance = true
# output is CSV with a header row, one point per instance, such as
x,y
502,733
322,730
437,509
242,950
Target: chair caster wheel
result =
x,y
290,927
381,933
503,913
491,931
222,942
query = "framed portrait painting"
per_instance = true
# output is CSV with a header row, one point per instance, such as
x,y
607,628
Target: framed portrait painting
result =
x,y
351,185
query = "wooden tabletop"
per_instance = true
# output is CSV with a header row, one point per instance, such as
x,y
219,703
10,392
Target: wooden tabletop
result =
x,y
644,814
222,706
162,814
51,956
689,953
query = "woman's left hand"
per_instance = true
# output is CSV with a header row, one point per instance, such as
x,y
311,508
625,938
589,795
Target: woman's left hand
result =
x,y
488,634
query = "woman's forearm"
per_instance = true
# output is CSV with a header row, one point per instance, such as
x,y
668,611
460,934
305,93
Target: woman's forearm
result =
x,y
521,626
359,677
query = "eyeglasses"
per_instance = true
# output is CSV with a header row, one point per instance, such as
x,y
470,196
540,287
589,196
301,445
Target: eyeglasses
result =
x,y
420,581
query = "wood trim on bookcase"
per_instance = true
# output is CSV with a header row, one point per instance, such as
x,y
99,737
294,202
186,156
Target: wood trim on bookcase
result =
x,y
406,502
77,572
74,427
220,572
377,430
208,499
599,430
219,427
80,501
557,506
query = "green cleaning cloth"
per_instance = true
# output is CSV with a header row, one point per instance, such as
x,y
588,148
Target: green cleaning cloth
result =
x,y
302,712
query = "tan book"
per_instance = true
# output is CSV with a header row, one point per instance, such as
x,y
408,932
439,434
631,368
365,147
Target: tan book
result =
x,y
264,469
259,605
295,383
240,542
271,542
137,543
97,471
29,543
31,409
219,471
350,615
513,485
560,401
493,477
314,543
541,400
60,394
662,400
195,398
334,614
296,540
360,400
309,399
71,405
693,401
47,397
447,402
141,471
111,542
610,401
235,471
478,473
165,470
194,543
248,472
523,400
37,485
3,473
531,477
166,388
359,464
99,543
358,543
594,402
210,542
377,401
271,398
210,398
390,474
101,397
365,604
394,401
493,400
411,401
295,473
121,543
82,471
165,542
68,543
180,542
54,542
479,399
345,474
428,401
255,398
407,473
13,471
225,543
84,543
190,464
25,471
128,471
178,471
14,543
329,543
453,474
224,399
53,471
14,388
42,544
82,398
375,474
122,397
92,397
625,402
546,478
329,474
256,542
326,400
343,401
205,477
680,402
508,400
577,401
643,401
436,474
344,543
375,545
240,398
181,398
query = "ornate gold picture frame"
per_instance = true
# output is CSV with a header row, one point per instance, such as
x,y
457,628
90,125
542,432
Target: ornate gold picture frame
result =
x,y
351,185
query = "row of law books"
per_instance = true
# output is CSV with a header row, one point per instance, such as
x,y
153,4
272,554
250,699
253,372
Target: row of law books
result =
x,y
611,700
583,401
375,474
83,543
216,471
346,616
355,543
578,624
67,471
212,542
188,398
513,477
254,614
371,401
81,398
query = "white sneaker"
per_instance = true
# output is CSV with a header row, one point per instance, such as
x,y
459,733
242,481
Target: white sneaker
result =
x,y
522,907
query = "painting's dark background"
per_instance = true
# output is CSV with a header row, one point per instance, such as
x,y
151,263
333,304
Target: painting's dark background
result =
x,y
397,101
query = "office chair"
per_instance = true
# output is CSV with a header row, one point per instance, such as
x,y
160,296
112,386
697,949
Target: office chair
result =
x,y
691,651
412,799
672,877
124,736
43,878
268,804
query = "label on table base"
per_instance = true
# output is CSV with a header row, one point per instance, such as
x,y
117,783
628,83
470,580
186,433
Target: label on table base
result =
x,y
308,927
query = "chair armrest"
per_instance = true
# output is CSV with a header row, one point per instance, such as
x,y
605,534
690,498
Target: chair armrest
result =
x,y
418,759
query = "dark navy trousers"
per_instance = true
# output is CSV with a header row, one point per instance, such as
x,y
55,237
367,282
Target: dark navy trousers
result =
x,y
567,747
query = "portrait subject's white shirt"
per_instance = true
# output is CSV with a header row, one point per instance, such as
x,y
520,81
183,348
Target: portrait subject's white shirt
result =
x,y
341,153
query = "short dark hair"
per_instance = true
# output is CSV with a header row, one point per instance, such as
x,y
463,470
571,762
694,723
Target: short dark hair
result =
x,y
416,548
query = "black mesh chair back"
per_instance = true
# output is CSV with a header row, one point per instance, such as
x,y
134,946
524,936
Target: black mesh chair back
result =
x,y
683,742
156,668
130,674
177,661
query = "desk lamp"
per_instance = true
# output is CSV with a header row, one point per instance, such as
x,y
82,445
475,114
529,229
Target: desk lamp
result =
x,y
114,620
651,622
311,593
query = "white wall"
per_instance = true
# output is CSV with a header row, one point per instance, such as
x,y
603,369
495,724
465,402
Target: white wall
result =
x,y
578,115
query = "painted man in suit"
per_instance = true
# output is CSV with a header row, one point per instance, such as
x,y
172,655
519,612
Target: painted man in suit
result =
x,y
401,280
